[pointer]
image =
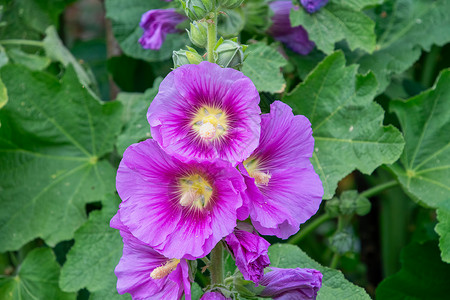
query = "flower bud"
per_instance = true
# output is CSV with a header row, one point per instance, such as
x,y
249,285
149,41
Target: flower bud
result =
x,y
230,3
198,34
186,57
198,9
229,54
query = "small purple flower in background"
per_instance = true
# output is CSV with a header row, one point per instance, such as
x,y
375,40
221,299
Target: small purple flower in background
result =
x,y
157,23
180,209
312,6
249,251
295,38
146,274
213,296
289,284
283,190
206,112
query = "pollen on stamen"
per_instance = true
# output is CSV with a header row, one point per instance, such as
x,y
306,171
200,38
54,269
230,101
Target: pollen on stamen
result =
x,y
261,178
164,270
188,197
207,131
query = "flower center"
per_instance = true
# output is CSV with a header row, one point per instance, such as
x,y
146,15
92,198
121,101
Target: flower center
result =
x,y
252,166
164,270
209,123
195,191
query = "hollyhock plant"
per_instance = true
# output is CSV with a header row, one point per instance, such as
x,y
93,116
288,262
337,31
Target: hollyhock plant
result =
x,y
283,189
206,112
295,38
286,284
312,6
249,251
157,23
145,274
181,209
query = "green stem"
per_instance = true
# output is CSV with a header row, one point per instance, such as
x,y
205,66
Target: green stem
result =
x,y
216,268
22,42
334,260
308,229
379,188
212,37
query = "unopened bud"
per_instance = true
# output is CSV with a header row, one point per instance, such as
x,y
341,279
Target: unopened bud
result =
x,y
186,57
229,54
198,34
230,3
198,9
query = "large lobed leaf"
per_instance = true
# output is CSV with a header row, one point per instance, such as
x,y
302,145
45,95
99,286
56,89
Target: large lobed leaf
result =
x,y
334,284
335,22
347,124
125,17
424,171
423,275
263,67
404,28
91,261
37,279
52,140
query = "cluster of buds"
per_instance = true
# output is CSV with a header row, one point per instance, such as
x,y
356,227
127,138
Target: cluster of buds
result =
x,y
227,53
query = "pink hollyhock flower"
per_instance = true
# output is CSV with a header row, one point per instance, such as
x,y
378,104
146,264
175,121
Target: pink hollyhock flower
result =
x,y
312,6
283,190
206,112
145,274
295,38
157,23
181,209
213,296
287,284
249,251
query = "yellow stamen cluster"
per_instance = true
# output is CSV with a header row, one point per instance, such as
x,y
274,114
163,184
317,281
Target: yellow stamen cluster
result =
x,y
253,168
195,191
164,270
209,122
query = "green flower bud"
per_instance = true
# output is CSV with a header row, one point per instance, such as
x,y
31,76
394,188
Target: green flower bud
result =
x,y
186,57
230,3
229,54
198,9
258,16
198,34
342,242
332,207
349,203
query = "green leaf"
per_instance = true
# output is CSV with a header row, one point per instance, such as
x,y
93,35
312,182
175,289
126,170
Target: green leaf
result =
x,y
3,94
262,66
423,275
135,116
31,61
424,171
231,23
91,261
125,17
347,124
196,291
443,229
334,284
358,4
37,279
405,27
334,23
56,51
52,141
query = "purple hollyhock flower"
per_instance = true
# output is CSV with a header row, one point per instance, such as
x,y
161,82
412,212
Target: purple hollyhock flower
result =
x,y
213,296
249,251
295,38
145,274
206,112
312,6
290,284
181,209
157,23
282,187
